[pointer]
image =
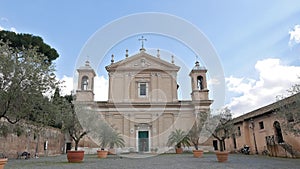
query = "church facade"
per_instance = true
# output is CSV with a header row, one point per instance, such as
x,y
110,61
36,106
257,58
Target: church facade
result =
x,y
143,102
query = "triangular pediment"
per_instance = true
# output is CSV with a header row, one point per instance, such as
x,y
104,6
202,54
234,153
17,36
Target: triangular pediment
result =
x,y
142,61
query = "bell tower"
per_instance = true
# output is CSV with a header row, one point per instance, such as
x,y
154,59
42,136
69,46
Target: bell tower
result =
x,y
85,87
199,83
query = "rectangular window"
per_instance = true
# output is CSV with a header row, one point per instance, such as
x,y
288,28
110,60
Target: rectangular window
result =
x,y
238,131
143,89
261,125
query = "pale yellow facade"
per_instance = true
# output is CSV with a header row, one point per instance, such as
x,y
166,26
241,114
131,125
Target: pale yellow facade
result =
x,y
143,101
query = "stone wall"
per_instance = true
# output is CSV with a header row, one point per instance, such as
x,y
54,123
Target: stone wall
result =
x,y
32,141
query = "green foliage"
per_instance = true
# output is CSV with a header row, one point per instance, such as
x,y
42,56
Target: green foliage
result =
x,y
18,130
179,138
221,126
24,79
27,41
45,113
109,137
71,124
289,110
4,130
116,140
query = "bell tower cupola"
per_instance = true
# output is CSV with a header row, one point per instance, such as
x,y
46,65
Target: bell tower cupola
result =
x,y
199,83
85,87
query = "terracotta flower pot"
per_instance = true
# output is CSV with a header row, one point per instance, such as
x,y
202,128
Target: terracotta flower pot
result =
x,y
3,161
102,153
198,153
179,150
75,156
222,156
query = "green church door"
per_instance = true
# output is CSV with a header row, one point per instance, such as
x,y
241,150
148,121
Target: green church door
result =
x,y
143,140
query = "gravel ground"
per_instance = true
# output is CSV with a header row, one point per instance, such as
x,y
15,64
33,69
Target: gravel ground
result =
x,y
165,161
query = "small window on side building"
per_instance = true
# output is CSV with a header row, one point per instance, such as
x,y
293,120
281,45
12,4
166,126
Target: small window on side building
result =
x,y
238,131
261,125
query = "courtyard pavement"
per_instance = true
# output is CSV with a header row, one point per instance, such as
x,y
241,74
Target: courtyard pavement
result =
x,y
165,161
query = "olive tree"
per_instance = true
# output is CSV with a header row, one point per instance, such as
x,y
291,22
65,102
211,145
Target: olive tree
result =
x,y
221,126
289,110
195,132
24,79
71,122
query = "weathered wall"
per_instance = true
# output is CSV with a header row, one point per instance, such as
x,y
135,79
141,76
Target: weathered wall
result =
x,y
30,142
266,137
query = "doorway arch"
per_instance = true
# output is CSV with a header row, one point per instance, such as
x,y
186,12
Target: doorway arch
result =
x,y
278,132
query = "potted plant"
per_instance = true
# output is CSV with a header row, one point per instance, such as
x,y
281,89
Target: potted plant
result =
x,y
179,138
105,135
72,126
115,140
3,161
102,153
194,133
221,127
3,132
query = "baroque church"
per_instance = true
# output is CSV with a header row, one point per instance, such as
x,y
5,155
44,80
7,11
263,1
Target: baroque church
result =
x,y
143,102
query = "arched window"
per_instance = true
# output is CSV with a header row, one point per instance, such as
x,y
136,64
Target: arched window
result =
x,y
84,83
200,82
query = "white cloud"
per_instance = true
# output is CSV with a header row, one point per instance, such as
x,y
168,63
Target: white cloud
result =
x,y
5,25
100,87
213,82
274,79
239,85
294,35
13,29
66,86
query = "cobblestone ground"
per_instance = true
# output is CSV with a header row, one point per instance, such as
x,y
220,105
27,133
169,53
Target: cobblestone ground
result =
x,y
166,161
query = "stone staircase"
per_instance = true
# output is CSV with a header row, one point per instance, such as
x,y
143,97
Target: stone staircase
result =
x,y
289,150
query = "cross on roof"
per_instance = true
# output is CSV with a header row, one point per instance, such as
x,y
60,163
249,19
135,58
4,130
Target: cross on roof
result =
x,y
142,39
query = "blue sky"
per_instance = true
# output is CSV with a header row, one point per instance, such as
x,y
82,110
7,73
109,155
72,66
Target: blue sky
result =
x,y
257,41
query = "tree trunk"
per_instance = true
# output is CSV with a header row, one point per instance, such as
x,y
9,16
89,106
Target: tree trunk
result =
x,y
37,146
76,144
196,146
222,145
196,143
